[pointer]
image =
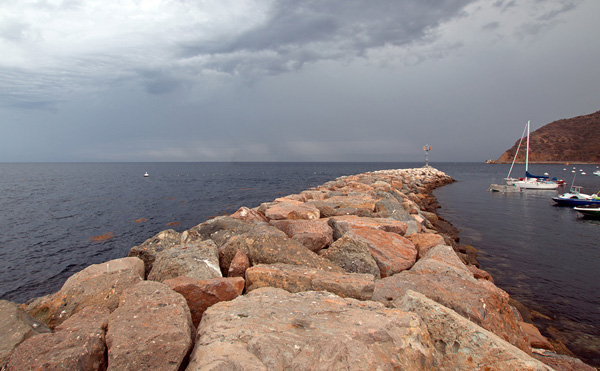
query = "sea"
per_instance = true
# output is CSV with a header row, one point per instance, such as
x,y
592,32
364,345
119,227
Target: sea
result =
x,y
58,218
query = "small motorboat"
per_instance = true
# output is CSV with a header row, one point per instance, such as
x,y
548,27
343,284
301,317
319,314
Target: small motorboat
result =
x,y
146,175
592,211
575,198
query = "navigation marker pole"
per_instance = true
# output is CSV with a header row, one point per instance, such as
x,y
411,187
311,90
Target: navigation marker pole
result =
x,y
427,148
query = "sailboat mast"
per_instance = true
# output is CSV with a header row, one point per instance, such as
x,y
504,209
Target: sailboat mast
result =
x,y
527,153
517,152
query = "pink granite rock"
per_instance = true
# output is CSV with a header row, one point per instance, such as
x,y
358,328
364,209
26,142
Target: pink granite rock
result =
x,y
289,210
198,260
102,290
16,326
148,250
271,329
441,276
201,294
342,224
268,245
134,264
561,362
536,339
425,241
296,278
76,344
480,274
352,255
463,345
150,330
239,264
392,252
314,234
247,214
358,201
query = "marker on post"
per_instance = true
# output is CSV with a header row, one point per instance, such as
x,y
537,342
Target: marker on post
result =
x,y
427,148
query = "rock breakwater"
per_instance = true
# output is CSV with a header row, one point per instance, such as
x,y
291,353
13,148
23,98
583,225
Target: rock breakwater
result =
x,y
358,273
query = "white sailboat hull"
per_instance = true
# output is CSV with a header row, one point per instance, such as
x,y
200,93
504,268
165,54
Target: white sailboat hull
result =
x,y
534,184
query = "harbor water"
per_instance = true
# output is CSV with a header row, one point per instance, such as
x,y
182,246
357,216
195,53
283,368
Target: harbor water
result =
x,y
58,218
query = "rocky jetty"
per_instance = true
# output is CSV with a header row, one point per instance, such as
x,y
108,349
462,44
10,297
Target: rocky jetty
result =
x,y
356,274
568,140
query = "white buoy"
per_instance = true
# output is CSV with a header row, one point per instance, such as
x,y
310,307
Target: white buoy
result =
x,y
146,175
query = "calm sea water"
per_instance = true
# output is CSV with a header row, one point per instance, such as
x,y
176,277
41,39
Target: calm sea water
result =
x,y
544,256
51,212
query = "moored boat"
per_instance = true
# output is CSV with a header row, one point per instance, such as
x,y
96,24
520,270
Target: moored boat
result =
x,y
504,188
541,182
589,211
574,197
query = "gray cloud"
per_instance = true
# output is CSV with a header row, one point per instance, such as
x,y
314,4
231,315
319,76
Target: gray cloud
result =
x,y
300,32
491,26
240,80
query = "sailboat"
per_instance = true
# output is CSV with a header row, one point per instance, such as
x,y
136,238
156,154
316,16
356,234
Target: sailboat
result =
x,y
530,181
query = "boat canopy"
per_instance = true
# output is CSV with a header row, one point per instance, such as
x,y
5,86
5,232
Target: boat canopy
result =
x,y
529,175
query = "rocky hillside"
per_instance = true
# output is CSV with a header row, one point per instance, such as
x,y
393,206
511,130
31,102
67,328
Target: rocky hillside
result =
x,y
569,140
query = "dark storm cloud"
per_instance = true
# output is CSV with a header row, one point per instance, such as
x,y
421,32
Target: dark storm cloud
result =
x,y
551,14
160,82
491,26
300,32
563,7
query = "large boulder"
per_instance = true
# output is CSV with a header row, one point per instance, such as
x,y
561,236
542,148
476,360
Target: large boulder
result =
x,y
360,201
271,329
390,207
463,345
76,344
313,194
201,294
314,234
442,277
152,246
392,252
327,209
268,245
425,241
352,255
15,327
133,264
342,224
536,339
296,278
220,229
290,210
102,290
197,260
247,214
561,362
150,330
239,264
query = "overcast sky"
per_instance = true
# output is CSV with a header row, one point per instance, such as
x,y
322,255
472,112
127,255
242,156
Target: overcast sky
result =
x,y
258,80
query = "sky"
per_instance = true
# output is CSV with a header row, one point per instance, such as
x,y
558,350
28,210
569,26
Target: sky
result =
x,y
267,80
